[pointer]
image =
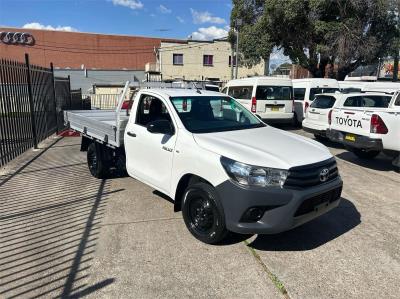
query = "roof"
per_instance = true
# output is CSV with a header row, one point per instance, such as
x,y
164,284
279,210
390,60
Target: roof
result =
x,y
182,92
357,94
252,80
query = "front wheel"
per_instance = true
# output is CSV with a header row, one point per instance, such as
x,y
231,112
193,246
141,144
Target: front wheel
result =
x,y
364,154
203,213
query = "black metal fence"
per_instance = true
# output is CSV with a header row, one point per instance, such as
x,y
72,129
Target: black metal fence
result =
x,y
32,101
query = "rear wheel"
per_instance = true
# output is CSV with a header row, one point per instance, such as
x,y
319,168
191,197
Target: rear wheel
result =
x,y
364,154
96,163
203,213
320,137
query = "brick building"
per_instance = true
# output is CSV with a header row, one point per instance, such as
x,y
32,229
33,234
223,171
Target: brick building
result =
x,y
86,57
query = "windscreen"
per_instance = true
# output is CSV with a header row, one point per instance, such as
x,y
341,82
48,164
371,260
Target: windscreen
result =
x,y
274,93
323,102
315,91
202,114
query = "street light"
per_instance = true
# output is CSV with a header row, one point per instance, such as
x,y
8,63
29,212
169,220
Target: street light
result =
x,y
238,23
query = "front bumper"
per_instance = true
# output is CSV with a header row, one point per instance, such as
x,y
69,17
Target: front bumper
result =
x,y
361,142
284,208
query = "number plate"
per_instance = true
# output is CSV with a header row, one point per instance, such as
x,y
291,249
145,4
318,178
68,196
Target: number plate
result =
x,y
350,137
274,108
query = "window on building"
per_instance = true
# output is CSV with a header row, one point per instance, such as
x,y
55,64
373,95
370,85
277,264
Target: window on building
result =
x,y
230,60
208,60
177,59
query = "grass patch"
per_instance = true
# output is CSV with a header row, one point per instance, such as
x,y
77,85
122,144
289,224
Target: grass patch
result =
x,y
275,280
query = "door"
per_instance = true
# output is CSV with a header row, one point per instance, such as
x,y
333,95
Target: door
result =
x,y
274,99
319,110
150,155
242,94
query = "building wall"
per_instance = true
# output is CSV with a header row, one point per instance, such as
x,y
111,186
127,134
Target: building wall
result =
x,y
193,68
74,49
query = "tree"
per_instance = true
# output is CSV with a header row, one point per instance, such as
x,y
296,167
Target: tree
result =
x,y
318,33
254,43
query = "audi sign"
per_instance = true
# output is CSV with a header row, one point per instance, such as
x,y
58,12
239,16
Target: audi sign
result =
x,y
17,38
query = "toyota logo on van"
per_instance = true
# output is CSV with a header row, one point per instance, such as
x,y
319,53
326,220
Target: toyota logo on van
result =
x,y
324,175
17,38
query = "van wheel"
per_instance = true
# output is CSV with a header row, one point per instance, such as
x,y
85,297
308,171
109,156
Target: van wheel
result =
x,y
97,165
363,154
203,213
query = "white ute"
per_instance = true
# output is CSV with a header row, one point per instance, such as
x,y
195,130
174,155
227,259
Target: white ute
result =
x,y
223,167
367,124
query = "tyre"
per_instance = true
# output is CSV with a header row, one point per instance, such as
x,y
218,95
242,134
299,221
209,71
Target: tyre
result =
x,y
203,213
120,165
364,154
97,165
320,137
295,122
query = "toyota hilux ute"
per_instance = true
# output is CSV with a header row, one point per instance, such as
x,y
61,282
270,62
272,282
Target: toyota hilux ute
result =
x,y
224,168
368,124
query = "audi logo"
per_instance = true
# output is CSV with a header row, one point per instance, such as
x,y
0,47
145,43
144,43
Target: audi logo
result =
x,y
17,38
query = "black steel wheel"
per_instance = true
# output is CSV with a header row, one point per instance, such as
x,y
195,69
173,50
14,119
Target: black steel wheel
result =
x,y
97,166
203,213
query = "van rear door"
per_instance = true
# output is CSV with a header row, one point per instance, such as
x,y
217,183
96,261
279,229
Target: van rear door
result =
x,y
271,99
242,94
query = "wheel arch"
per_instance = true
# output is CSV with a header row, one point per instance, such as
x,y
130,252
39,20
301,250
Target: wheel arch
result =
x,y
184,182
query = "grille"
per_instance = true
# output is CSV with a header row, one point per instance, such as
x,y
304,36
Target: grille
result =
x,y
309,204
309,175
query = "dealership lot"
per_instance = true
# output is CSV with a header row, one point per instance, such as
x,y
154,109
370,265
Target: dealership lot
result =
x,y
65,233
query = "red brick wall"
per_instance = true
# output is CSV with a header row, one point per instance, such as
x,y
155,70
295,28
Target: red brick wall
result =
x,y
72,49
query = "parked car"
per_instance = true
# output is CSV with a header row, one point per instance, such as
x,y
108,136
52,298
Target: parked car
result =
x,y
317,116
305,91
368,124
222,166
269,97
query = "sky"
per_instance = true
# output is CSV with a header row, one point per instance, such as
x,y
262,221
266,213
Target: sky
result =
x,y
198,19
201,19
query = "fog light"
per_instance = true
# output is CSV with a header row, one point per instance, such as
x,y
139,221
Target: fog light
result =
x,y
253,214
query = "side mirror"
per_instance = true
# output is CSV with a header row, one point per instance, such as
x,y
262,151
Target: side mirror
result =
x,y
161,126
259,117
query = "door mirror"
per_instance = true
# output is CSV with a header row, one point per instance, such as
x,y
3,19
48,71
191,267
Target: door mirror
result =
x,y
161,126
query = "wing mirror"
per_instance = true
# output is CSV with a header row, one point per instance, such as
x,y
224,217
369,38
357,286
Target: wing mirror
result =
x,y
161,126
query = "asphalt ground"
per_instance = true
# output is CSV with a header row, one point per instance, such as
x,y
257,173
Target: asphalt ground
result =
x,y
66,234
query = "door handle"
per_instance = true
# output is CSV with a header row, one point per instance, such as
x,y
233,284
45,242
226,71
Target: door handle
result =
x,y
131,134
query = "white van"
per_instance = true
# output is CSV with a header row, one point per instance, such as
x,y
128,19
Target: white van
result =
x,y
305,91
269,97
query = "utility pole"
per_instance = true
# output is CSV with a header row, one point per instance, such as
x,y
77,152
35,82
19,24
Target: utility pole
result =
x,y
238,23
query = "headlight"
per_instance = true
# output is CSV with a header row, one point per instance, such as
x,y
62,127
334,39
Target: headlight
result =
x,y
248,175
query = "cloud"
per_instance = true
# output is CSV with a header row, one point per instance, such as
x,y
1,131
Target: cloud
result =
x,y
209,33
201,17
132,4
164,9
36,25
181,20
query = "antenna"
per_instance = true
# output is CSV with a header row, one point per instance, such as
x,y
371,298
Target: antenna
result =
x,y
197,89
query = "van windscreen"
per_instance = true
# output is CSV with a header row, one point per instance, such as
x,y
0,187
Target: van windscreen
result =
x,y
274,93
241,92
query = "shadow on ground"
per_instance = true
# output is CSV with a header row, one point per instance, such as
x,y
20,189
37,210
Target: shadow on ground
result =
x,y
312,234
50,214
380,163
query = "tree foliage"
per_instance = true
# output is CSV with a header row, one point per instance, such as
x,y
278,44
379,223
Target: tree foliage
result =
x,y
318,33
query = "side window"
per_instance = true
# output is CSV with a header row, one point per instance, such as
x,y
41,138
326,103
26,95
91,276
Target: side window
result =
x,y
397,102
150,109
241,92
352,102
299,94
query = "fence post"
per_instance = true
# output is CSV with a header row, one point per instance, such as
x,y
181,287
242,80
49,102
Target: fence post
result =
x,y
69,90
31,104
53,79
